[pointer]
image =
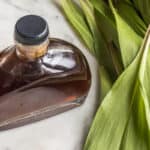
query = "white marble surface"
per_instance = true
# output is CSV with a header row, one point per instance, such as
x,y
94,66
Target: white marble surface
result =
x,y
68,130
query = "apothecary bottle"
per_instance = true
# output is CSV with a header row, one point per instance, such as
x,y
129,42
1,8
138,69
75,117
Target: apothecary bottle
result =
x,y
40,76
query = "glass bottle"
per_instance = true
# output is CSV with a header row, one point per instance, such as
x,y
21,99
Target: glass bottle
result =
x,y
40,76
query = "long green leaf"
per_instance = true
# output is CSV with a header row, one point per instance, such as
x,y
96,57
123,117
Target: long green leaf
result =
x,y
105,21
102,52
130,15
129,47
105,82
112,122
77,20
143,6
137,135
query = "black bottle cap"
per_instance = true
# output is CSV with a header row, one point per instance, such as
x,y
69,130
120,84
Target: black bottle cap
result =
x,y
31,30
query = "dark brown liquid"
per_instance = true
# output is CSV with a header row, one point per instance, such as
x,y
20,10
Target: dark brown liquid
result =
x,y
58,81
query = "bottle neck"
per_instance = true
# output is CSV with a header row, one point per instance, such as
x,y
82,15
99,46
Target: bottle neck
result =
x,y
31,52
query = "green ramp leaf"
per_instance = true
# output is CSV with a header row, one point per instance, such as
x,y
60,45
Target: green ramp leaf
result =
x,y
76,18
143,6
112,126
130,15
129,41
105,21
137,135
102,48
